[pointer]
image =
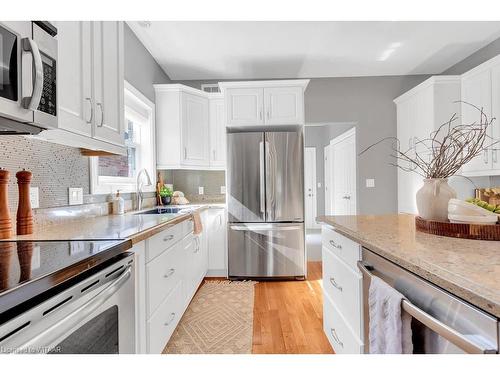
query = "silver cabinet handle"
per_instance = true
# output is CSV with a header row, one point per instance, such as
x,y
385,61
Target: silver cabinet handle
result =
x,y
435,325
485,156
89,121
170,272
52,335
214,154
334,283
32,102
336,337
102,114
260,114
494,156
172,317
168,238
335,245
267,114
346,197
220,221
185,153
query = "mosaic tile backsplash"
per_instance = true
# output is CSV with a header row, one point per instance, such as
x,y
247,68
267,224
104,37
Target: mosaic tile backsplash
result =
x,y
55,168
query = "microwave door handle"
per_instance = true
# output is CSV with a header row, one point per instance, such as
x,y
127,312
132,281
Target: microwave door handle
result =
x,y
434,324
32,102
51,336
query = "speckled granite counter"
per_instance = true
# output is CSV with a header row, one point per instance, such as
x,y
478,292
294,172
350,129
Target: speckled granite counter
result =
x,y
469,269
132,226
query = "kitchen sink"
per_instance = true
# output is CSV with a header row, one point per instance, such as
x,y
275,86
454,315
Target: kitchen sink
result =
x,y
166,210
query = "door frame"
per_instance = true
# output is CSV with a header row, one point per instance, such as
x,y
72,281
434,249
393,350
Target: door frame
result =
x,y
312,150
335,141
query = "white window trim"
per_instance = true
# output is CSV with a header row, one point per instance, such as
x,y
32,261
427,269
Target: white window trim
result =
x,y
109,185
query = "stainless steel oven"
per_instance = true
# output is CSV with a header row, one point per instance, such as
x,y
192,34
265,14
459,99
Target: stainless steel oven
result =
x,y
94,316
28,77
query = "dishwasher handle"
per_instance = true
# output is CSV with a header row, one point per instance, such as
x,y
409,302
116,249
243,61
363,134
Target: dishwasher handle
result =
x,y
432,323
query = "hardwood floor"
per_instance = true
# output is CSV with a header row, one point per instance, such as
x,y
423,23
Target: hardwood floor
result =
x,y
288,316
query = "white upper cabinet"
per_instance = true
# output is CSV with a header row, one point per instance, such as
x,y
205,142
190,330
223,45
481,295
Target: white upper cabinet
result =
x,y
217,132
195,135
420,111
75,76
108,81
90,86
284,105
182,127
245,106
257,103
480,87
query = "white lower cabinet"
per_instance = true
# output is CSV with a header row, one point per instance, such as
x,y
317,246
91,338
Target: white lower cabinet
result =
x,y
342,292
217,242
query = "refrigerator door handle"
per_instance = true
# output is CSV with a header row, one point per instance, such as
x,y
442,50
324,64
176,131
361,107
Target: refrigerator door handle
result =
x,y
262,179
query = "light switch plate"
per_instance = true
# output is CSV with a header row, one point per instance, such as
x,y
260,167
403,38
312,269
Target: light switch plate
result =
x,y
201,190
370,182
223,190
75,196
34,197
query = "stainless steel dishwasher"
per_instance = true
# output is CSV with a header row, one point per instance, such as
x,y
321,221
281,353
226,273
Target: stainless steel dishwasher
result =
x,y
442,323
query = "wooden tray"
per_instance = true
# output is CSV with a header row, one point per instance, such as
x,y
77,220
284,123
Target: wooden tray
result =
x,y
469,231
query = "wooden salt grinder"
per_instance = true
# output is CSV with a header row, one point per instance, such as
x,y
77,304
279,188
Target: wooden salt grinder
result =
x,y
24,214
5,220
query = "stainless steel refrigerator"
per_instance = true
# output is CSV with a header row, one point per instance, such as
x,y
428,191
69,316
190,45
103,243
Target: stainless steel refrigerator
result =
x,y
266,205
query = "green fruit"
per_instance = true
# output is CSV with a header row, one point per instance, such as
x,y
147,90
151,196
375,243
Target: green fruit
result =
x,y
490,207
482,204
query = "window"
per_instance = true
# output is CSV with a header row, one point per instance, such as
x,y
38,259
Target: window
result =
x,y
119,172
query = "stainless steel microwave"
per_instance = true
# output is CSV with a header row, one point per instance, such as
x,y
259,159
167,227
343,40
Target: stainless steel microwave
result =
x,y
28,77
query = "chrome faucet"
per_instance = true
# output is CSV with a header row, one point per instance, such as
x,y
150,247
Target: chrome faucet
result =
x,y
140,184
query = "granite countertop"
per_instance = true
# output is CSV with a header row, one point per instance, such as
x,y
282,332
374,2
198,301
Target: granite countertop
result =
x,y
469,269
133,226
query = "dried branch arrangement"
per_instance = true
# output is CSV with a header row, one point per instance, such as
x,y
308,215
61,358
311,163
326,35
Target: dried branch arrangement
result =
x,y
446,150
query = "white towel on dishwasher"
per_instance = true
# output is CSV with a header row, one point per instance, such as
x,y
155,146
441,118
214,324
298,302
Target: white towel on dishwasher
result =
x,y
390,326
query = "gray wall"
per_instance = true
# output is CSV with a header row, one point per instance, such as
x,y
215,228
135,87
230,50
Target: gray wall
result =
x,y
367,102
319,137
141,70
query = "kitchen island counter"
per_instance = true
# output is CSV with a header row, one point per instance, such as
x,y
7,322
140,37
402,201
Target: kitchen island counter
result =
x,y
469,269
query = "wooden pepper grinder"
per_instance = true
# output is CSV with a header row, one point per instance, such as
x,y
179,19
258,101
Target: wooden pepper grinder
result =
x,y
5,220
24,214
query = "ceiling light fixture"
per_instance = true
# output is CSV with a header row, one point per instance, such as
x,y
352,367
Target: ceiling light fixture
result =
x,y
389,51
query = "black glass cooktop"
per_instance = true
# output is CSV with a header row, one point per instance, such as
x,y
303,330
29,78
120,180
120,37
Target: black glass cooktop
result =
x,y
28,269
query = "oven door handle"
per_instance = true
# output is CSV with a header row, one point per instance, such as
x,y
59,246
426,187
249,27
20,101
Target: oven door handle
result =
x,y
51,336
434,324
32,102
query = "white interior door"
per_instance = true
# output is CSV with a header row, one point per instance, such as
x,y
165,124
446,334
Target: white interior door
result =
x,y
328,177
343,173
310,187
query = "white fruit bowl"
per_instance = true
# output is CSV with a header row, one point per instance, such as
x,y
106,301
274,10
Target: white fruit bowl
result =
x,y
462,208
473,219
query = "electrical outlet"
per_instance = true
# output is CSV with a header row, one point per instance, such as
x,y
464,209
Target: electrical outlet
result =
x,y
75,196
319,185
34,197
223,190
370,182
201,190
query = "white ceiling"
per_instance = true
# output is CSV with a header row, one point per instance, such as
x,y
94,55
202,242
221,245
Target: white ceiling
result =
x,y
258,50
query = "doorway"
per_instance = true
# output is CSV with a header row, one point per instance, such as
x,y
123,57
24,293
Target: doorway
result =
x,y
340,175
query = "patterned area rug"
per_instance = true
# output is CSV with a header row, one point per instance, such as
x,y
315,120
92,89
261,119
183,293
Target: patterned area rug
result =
x,y
219,320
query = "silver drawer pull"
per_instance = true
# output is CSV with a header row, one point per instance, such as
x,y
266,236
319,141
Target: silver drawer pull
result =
x,y
336,337
168,238
170,272
335,245
172,317
334,283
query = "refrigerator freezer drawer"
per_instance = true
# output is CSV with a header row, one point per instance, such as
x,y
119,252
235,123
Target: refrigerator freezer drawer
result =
x,y
266,250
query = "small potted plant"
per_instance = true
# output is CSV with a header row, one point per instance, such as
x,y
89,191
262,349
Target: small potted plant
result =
x,y
166,195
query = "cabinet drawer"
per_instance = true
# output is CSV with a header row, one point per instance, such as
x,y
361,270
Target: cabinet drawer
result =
x,y
341,337
164,320
163,240
344,287
346,249
163,273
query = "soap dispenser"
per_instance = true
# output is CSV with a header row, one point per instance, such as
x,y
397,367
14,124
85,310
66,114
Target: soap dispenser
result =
x,y
118,204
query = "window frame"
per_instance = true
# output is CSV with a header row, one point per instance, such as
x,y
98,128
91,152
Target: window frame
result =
x,y
109,184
